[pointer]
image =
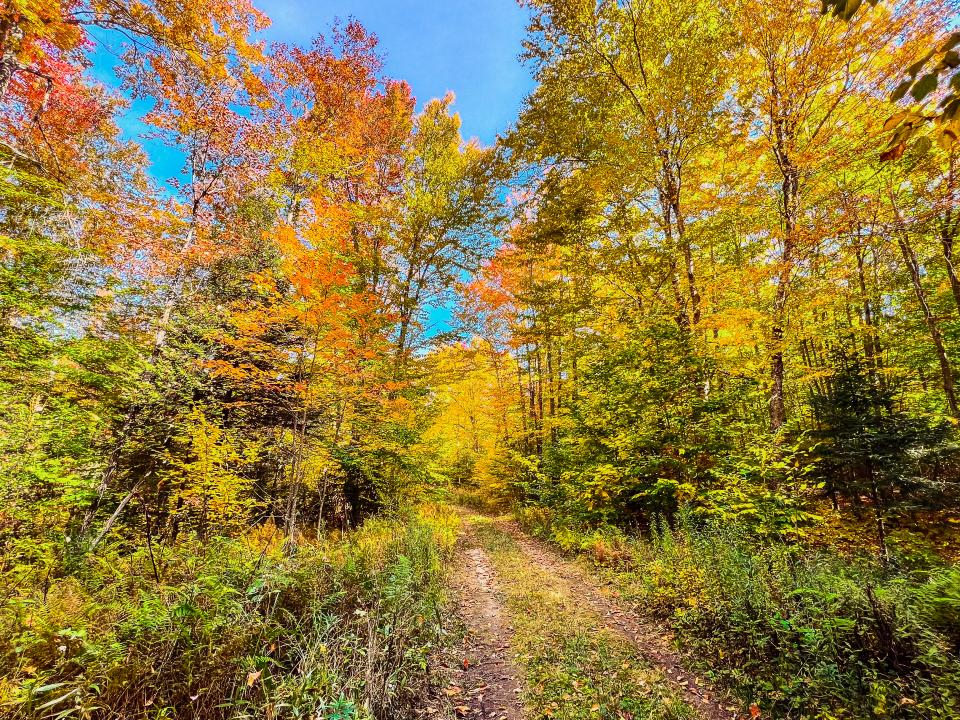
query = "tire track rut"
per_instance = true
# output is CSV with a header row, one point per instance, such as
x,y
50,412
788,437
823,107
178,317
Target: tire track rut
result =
x,y
489,684
652,644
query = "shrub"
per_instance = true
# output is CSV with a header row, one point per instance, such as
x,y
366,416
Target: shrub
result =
x,y
804,634
235,628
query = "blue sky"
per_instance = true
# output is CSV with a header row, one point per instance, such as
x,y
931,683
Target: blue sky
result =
x,y
468,46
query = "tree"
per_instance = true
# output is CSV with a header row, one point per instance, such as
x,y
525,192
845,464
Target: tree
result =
x,y
38,36
808,72
445,222
939,58
650,80
220,129
866,444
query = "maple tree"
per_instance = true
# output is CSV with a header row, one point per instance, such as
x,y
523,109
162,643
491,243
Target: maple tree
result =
x,y
252,302
446,219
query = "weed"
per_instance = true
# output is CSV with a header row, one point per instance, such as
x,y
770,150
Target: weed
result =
x,y
236,629
804,634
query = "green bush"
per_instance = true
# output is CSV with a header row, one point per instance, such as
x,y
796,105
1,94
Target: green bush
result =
x,y
234,629
803,634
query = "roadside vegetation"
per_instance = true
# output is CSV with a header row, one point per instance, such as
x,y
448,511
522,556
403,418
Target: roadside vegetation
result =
x,y
235,628
798,632
575,668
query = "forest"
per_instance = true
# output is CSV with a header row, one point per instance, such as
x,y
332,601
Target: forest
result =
x,y
688,448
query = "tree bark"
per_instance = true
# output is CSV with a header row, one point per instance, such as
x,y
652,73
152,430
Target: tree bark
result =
x,y
790,196
946,370
949,226
689,267
947,238
523,407
871,341
111,521
11,37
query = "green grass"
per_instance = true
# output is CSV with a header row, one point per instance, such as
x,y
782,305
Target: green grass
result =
x,y
235,629
575,669
801,632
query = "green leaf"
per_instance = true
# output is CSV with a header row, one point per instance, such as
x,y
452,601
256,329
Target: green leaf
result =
x,y
900,90
48,688
894,120
923,145
951,59
951,42
850,8
58,700
918,65
925,85
952,108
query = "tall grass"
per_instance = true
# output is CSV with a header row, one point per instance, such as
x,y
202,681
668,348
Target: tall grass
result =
x,y
803,633
233,629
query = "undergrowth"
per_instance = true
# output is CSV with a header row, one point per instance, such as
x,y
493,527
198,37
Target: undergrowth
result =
x,y
575,669
803,634
341,629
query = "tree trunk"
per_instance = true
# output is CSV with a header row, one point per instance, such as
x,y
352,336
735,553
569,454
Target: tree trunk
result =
x,y
159,342
523,407
878,515
790,191
111,521
871,341
946,370
947,238
949,226
539,391
11,37
692,288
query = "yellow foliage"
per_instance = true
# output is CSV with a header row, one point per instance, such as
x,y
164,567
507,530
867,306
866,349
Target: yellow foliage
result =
x,y
212,494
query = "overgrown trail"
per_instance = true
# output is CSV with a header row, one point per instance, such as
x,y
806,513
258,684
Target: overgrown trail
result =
x,y
572,635
489,685
653,644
